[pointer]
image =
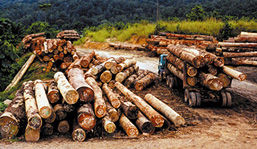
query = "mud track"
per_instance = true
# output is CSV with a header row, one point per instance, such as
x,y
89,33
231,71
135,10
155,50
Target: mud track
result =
x,y
207,127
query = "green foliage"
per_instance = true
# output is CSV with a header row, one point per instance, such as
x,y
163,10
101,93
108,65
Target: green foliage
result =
x,y
225,31
38,27
197,13
2,106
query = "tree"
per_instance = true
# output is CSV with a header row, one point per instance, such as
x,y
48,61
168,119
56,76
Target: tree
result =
x,y
197,13
38,27
45,8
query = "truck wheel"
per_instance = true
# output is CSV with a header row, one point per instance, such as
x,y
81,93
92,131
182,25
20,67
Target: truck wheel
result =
x,y
223,99
229,99
168,80
186,95
192,99
198,99
160,76
171,85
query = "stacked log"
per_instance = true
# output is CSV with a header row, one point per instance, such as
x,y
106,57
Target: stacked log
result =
x,y
68,35
238,51
126,46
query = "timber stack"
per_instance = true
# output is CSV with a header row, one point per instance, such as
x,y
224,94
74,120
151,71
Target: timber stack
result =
x,y
158,43
70,35
240,50
126,46
79,103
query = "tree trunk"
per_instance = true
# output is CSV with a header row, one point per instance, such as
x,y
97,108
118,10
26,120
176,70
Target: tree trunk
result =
x,y
165,109
106,76
86,117
13,118
47,130
63,126
152,115
86,59
121,76
108,125
125,64
130,110
22,71
32,135
210,81
69,94
76,79
44,108
113,99
241,45
53,94
114,70
60,112
112,112
224,79
99,103
111,84
144,124
130,80
130,129
108,65
34,119
142,83
235,74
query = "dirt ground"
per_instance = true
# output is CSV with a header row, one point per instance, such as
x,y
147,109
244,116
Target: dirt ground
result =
x,y
206,127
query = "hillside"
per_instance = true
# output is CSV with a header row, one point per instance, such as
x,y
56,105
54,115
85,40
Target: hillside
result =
x,y
77,14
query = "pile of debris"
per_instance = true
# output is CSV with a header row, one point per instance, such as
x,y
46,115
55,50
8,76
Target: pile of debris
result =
x,y
87,102
241,50
159,43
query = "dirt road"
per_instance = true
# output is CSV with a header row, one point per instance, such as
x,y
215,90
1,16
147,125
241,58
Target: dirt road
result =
x,y
207,127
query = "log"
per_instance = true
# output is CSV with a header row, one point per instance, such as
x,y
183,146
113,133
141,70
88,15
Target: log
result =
x,y
86,117
114,70
51,119
121,76
77,80
49,66
241,45
75,56
86,59
113,99
12,119
125,64
130,80
63,126
108,65
224,79
47,130
142,83
210,81
33,117
243,62
46,58
108,125
32,135
53,94
78,133
44,108
60,112
149,112
213,70
106,76
20,74
99,103
144,125
69,94
241,54
130,110
68,107
112,112
130,129
165,110
111,84
235,74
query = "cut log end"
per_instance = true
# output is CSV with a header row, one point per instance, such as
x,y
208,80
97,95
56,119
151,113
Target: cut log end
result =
x,y
132,132
63,126
86,121
32,135
53,96
8,127
79,135
45,112
215,84
100,111
72,97
35,122
179,121
157,120
86,94
148,127
139,87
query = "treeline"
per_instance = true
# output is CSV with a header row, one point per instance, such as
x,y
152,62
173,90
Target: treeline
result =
x,y
77,14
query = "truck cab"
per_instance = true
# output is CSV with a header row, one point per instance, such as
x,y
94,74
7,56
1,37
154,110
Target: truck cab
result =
x,y
161,66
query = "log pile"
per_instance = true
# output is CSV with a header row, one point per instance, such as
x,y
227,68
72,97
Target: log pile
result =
x,y
126,46
71,35
158,43
240,50
82,106
201,68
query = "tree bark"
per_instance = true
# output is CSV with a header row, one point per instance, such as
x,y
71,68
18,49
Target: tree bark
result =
x,y
86,117
144,124
130,80
125,64
44,108
77,80
13,117
34,119
235,74
32,135
106,76
53,94
166,110
142,83
130,129
108,125
213,70
113,99
69,94
210,81
130,110
112,112
99,103
152,115
241,54
121,76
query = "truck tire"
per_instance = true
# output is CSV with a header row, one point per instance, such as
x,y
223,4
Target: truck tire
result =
x,y
171,83
192,99
223,98
198,99
168,81
186,95
229,99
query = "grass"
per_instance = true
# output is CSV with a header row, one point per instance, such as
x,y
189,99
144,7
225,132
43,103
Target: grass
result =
x,y
210,27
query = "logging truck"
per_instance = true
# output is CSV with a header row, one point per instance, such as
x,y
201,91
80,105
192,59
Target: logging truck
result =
x,y
194,95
